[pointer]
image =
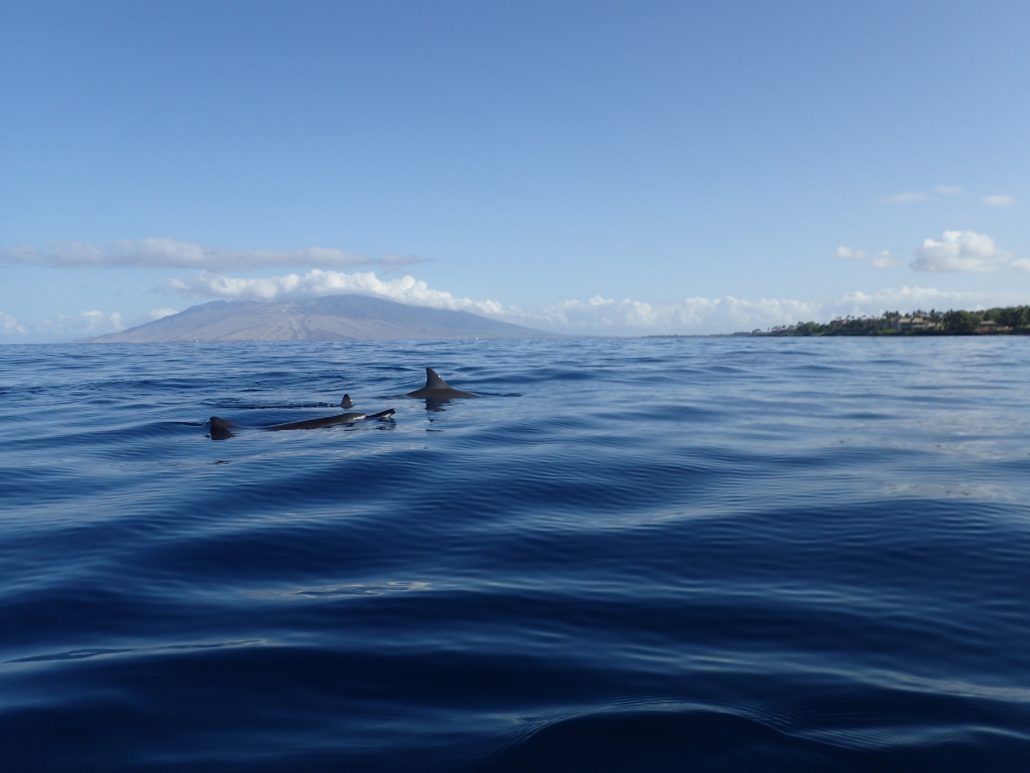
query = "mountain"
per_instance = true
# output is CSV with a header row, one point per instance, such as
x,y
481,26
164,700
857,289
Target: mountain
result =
x,y
332,318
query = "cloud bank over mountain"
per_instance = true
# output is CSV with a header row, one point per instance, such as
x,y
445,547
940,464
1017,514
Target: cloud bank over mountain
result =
x,y
220,273
594,315
318,282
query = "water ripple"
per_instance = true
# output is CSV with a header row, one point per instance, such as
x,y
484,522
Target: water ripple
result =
x,y
651,554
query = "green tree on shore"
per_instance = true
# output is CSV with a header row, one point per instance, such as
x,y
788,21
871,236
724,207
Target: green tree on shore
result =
x,y
999,320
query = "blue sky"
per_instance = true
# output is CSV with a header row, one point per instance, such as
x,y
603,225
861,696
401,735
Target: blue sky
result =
x,y
599,167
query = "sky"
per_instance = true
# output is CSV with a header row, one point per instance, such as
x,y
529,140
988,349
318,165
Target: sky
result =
x,y
616,168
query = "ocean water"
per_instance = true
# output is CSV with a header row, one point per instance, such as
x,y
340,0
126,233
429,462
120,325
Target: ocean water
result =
x,y
659,554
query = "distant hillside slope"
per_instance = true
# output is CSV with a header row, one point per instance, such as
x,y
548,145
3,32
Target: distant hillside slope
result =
x,y
333,318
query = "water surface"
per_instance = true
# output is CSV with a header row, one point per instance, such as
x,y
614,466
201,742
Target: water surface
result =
x,y
664,554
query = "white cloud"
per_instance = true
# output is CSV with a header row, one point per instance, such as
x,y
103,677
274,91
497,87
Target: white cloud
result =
x,y
10,326
728,314
904,299
908,197
163,312
1021,265
602,312
84,324
966,251
690,315
405,289
171,253
882,259
846,253
594,315
598,314
999,200
919,197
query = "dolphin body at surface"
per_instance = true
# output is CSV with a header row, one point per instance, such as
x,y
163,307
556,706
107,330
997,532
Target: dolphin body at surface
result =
x,y
438,390
223,428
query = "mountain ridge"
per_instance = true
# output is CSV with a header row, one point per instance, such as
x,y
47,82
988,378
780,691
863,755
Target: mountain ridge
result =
x,y
328,318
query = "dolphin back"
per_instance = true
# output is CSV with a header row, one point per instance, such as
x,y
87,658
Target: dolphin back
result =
x,y
331,421
437,388
220,428
433,380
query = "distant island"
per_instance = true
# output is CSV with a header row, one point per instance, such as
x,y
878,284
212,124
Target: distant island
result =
x,y
1007,320
330,318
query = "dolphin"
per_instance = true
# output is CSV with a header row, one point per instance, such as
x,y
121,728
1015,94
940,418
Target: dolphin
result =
x,y
438,390
223,428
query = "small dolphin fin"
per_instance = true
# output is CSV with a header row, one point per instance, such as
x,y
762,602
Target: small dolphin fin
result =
x,y
346,401
433,380
220,428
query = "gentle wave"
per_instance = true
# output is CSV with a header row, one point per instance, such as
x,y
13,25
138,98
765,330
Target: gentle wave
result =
x,y
658,554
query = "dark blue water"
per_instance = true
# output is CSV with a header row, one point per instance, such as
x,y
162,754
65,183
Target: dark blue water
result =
x,y
695,554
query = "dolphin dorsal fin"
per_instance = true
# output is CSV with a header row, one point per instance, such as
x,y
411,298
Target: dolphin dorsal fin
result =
x,y
346,401
433,380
